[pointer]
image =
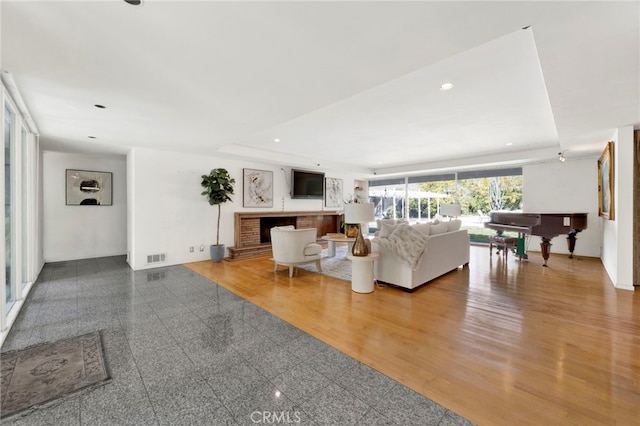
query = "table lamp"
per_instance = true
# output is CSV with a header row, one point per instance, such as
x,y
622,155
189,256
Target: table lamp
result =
x,y
359,213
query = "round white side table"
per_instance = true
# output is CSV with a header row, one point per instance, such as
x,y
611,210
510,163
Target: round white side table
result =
x,y
362,272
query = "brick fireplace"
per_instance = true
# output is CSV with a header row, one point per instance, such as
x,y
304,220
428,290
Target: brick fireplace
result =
x,y
268,222
252,229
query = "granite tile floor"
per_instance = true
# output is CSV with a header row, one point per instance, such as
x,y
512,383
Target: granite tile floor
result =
x,y
183,350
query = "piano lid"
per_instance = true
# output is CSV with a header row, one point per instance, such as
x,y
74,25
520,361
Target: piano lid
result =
x,y
515,218
546,225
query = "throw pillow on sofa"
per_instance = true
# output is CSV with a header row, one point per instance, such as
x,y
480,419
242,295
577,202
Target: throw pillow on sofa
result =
x,y
423,228
438,228
380,222
454,225
386,230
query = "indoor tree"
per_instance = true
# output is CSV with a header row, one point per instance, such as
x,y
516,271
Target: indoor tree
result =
x,y
218,187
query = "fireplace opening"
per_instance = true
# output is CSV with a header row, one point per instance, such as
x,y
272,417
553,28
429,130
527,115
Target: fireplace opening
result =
x,y
266,223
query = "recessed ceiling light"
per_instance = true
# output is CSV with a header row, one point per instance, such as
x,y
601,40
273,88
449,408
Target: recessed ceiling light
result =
x,y
509,143
276,140
92,137
446,86
134,2
99,106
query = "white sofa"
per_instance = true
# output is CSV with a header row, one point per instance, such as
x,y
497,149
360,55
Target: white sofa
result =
x,y
446,248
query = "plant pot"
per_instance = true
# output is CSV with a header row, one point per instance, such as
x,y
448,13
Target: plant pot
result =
x,y
217,252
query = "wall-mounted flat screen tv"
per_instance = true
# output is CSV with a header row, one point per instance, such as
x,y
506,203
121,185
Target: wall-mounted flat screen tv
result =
x,y
305,184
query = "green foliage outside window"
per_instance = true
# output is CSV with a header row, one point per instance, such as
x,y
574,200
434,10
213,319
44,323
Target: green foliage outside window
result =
x,y
478,197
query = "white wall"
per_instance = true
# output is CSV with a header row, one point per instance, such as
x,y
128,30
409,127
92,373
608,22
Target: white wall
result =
x,y
131,196
167,213
78,232
617,236
570,187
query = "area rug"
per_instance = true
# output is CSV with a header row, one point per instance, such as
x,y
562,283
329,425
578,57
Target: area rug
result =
x,y
338,266
41,374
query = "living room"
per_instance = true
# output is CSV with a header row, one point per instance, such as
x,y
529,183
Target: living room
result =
x,y
136,226
354,120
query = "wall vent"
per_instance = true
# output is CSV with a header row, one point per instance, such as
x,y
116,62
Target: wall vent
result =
x,y
156,258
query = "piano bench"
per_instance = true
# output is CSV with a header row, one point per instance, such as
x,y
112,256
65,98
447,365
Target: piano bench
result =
x,y
502,243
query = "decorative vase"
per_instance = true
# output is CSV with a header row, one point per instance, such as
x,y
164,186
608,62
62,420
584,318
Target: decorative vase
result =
x,y
217,252
360,247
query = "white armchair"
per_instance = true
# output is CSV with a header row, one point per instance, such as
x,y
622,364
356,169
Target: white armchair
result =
x,y
293,247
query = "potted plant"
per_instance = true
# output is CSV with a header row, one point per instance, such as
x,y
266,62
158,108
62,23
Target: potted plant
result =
x,y
218,189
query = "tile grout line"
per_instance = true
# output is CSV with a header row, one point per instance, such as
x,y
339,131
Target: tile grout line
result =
x,y
144,384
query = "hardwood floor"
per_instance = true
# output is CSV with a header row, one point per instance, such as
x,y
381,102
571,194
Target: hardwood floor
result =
x,y
500,343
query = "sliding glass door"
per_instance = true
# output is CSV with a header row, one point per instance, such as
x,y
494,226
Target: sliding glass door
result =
x,y
10,294
418,198
26,230
20,206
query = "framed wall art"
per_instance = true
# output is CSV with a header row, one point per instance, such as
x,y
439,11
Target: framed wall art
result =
x,y
332,192
606,184
257,188
88,188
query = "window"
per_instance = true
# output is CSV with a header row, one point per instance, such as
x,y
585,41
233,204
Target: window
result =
x,y
483,191
426,193
418,198
389,197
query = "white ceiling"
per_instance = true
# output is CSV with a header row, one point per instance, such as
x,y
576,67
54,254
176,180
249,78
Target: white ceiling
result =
x,y
350,85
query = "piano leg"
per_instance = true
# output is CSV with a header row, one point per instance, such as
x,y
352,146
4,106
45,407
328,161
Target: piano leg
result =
x,y
571,242
545,246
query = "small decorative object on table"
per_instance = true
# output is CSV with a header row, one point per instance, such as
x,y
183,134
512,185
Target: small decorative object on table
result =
x,y
351,230
335,235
